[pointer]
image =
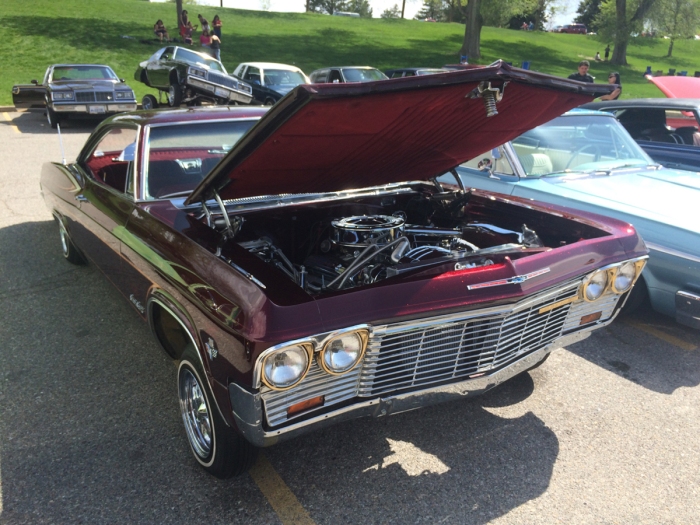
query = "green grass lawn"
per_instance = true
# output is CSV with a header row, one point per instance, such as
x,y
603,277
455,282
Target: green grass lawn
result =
x,y
43,32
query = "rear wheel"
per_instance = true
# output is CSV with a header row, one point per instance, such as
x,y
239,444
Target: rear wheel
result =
x,y
174,94
269,102
67,247
216,447
149,102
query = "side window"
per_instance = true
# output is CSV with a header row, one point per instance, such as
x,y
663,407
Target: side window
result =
x,y
321,77
168,53
110,161
335,77
252,74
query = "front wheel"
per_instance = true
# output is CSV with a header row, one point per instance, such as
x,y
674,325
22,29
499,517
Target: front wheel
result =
x,y
52,117
269,102
216,447
174,95
149,102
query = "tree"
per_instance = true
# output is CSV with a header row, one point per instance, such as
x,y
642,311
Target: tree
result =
x,y
676,19
178,8
431,9
394,12
360,6
587,11
327,6
499,13
471,45
617,23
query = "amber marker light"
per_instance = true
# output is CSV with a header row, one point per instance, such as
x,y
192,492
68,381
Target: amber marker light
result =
x,y
306,405
590,318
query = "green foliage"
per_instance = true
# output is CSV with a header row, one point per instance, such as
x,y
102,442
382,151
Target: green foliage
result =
x,y
360,6
394,12
498,13
431,9
327,6
587,11
676,18
607,23
66,32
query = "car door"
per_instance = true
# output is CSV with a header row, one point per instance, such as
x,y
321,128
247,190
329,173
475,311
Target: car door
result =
x,y
159,68
103,204
29,96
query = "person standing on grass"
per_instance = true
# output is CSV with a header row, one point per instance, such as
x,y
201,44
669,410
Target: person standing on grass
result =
x,y
582,74
607,52
215,47
205,23
216,22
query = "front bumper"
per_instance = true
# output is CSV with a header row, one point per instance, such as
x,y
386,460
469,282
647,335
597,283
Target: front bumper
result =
x,y
94,108
248,412
218,91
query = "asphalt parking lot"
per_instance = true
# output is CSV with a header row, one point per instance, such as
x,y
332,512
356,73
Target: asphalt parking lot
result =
x,y
605,432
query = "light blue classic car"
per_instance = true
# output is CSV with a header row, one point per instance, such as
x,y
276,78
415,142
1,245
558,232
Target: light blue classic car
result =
x,y
586,160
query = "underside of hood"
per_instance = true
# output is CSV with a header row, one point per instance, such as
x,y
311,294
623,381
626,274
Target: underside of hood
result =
x,y
331,137
677,87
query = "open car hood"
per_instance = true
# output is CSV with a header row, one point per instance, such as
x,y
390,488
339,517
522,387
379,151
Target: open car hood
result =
x,y
677,87
331,137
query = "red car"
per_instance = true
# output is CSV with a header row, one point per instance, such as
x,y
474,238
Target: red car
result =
x,y
574,28
303,265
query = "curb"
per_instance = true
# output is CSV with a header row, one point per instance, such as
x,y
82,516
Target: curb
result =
x,y
12,109
7,109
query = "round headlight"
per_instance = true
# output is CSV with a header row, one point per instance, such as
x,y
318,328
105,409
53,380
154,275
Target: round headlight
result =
x,y
624,277
595,286
342,353
286,367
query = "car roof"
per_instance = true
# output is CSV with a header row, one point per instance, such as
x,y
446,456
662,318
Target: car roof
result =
x,y
269,65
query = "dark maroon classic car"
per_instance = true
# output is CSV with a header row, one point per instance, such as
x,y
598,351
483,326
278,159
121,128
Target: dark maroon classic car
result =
x,y
304,266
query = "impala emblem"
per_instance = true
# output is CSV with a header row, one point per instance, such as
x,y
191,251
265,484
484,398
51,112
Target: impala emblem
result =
x,y
511,280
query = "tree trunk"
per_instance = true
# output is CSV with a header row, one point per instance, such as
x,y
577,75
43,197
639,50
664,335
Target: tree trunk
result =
x,y
178,7
403,8
622,35
670,48
471,46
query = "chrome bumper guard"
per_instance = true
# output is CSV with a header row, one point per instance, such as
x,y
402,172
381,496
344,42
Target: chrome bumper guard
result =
x,y
248,412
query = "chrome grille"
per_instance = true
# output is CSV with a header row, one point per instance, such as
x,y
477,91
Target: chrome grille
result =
x,y
451,348
85,96
222,80
92,96
405,356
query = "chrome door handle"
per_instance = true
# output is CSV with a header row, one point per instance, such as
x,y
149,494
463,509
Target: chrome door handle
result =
x,y
81,198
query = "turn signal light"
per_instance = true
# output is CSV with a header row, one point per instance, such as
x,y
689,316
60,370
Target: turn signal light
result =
x,y
306,405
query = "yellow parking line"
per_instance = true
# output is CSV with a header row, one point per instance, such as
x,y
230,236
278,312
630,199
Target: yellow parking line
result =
x,y
662,335
282,500
10,121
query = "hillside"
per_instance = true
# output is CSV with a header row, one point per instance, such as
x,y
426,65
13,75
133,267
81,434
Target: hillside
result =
x,y
119,33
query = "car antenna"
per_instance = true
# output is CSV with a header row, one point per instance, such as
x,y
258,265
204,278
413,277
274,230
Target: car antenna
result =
x,y
60,143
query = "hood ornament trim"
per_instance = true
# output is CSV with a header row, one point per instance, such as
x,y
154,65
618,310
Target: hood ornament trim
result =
x,y
511,280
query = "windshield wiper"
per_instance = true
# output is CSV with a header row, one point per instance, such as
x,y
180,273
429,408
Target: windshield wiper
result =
x,y
176,194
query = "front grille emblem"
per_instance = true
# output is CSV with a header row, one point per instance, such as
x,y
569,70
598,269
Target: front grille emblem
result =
x,y
511,280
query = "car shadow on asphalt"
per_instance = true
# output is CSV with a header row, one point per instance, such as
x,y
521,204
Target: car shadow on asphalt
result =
x,y
450,463
35,122
647,348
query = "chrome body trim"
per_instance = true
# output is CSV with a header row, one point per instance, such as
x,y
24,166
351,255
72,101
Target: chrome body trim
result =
x,y
248,412
671,251
688,308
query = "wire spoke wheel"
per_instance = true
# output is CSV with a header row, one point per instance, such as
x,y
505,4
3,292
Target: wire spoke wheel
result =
x,y
195,415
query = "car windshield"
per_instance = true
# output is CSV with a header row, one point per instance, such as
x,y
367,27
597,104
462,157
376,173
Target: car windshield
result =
x,y
179,156
83,73
362,75
196,59
577,143
276,77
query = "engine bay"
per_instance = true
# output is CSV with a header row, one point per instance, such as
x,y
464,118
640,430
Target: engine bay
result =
x,y
333,246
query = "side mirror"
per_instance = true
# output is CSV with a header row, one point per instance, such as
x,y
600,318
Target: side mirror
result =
x,y
35,82
122,80
165,57
485,164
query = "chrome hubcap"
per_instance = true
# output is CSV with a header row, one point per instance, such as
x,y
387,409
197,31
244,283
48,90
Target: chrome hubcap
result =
x,y
195,414
171,95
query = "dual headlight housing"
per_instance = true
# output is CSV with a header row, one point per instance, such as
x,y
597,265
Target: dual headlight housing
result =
x,y
62,95
283,368
196,72
122,95
618,278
